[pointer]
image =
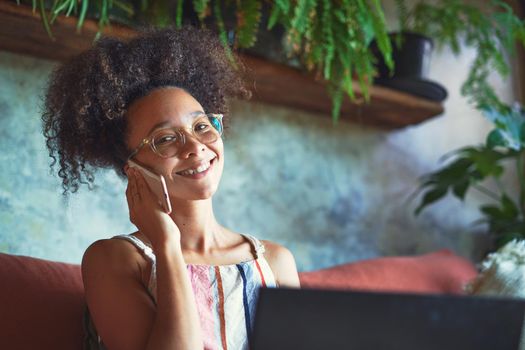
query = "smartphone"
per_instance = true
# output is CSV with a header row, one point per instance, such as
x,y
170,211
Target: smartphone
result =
x,y
157,184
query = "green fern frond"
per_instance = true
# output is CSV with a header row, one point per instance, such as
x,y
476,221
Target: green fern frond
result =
x,y
492,30
200,7
82,16
222,32
328,47
248,19
381,35
300,22
402,14
178,13
279,13
43,16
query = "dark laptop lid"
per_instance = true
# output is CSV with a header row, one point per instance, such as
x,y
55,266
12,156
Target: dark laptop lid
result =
x,y
321,319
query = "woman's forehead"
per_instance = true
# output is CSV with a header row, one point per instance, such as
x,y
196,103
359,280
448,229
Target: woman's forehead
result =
x,y
169,106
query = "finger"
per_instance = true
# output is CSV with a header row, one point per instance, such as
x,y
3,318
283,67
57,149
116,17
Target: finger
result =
x,y
143,187
141,183
135,193
129,196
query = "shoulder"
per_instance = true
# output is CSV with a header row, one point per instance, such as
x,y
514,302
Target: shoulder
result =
x,y
111,256
122,310
282,263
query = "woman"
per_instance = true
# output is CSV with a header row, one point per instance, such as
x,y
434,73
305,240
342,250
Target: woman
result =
x,y
182,281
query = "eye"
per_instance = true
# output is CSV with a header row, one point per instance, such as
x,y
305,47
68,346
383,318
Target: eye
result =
x,y
203,126
164,139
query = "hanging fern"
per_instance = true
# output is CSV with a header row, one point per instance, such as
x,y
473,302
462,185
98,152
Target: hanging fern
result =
x,y
328,37
333,38
248,19
492,30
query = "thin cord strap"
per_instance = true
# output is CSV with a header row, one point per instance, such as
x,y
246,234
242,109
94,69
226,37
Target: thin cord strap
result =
x,y
152,285
259,247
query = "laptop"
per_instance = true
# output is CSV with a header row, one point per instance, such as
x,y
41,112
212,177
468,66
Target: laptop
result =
x,y
330,319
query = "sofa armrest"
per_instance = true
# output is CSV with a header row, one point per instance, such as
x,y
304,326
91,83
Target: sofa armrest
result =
x,y
42,303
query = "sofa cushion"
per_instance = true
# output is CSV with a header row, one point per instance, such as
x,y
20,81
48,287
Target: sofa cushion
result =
x,y
438,272
41,304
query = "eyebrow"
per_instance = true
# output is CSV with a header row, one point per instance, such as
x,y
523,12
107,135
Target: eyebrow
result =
x,y
167,122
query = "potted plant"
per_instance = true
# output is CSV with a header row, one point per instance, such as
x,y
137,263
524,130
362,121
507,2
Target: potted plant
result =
x,y
491,28
471,166
411,57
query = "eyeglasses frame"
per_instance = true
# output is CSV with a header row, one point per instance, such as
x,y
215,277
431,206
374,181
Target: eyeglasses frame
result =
x,y
149,139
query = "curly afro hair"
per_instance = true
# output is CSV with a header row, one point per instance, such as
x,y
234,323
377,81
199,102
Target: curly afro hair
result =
x,y
84,112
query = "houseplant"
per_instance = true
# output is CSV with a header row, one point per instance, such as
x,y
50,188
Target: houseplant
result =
x,y
491,28
470,167
332,39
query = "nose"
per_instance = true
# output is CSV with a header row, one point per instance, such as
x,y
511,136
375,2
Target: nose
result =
x,y
191,146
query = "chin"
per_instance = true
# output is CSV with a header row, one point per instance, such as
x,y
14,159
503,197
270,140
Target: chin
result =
x,y
197,194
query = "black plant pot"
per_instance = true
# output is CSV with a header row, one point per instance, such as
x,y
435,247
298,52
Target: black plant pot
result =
x,y
412,61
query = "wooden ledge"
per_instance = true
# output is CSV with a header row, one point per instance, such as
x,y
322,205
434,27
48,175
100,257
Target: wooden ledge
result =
x,y
22,31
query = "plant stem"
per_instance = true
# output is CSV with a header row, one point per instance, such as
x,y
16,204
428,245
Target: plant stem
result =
x,y
519,169
501,187
487,192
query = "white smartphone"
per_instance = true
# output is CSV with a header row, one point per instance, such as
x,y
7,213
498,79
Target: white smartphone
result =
x,y
157,184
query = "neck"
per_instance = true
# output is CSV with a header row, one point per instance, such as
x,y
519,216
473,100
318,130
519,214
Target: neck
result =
x,y
198,228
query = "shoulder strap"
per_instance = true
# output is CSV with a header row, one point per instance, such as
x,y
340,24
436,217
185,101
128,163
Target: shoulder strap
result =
x,y
148,252
258,246
139,244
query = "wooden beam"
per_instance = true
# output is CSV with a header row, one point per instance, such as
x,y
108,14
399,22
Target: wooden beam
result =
x,y
22,31
279,84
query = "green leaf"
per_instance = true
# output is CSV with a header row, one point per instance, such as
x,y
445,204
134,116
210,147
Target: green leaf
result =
x,y
493,212
510,210
522,134
505,238
222,33
82,16
178,13
274,16
460,189
453,173
200,7
45,22
431,197
486,160
248,19
280,12
495,138
510,123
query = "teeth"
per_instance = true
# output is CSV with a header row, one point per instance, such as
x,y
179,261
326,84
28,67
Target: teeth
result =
x,y
200,169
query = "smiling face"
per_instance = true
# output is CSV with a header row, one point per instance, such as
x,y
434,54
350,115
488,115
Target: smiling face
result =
x,y
174,107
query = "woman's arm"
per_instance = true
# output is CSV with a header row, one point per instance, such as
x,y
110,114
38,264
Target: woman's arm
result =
x,y
124,314
282,263
177,324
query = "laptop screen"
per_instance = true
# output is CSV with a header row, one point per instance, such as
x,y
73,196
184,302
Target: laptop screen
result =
x,y
329,319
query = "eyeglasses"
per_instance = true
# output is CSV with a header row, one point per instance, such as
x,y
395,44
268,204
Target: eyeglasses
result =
x,y
167,142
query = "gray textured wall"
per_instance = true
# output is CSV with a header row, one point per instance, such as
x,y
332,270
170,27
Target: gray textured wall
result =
x,y
330,194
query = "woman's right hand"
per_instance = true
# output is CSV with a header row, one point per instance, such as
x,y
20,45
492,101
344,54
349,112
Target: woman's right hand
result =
x,y
146,213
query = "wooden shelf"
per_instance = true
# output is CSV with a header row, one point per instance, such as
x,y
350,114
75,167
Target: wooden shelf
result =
x,y
22,31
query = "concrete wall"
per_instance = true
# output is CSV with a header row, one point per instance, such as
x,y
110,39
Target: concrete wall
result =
x,y
330,194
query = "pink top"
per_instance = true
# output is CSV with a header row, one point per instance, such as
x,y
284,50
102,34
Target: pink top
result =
x,y
226,297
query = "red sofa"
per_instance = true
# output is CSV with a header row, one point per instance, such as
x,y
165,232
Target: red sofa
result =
x,y
41,301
